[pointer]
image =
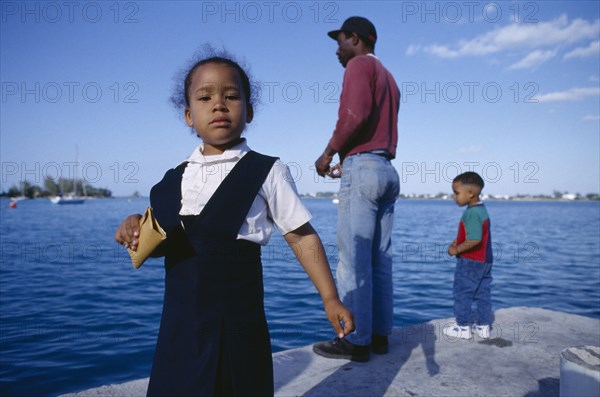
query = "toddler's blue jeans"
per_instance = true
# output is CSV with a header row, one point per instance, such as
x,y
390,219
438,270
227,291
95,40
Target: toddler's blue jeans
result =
x,y
472,284
368,191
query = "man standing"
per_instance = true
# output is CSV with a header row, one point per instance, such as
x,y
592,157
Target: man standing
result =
x,y
365,139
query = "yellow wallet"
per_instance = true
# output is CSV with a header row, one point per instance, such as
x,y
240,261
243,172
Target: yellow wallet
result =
x,y
151,236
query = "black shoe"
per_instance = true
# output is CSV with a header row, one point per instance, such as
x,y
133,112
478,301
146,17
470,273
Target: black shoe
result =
x,y
340,348
379,344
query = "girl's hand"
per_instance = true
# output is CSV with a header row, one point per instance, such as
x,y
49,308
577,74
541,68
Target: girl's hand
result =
x,y
128,232
340,317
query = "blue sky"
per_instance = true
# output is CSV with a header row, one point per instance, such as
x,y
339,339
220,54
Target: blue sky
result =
x,y
507,89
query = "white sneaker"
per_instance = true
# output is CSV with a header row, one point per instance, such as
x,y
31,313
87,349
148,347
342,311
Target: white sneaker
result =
x,y
483,331
457,331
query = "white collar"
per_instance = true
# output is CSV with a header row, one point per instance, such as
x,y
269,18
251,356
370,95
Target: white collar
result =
x,y
234,153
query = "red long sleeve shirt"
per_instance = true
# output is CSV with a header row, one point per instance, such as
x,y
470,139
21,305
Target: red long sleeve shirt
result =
x,y
368,113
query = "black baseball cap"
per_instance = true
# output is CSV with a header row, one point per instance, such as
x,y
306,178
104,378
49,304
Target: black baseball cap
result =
x,y
359,25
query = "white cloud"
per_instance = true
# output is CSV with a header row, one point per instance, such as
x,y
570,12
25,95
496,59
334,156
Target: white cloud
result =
x,y
521,36
574,94
591,117
470,149
412,49
534,59
582,52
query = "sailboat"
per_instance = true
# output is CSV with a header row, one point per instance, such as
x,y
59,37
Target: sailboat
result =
x,y
72,197
22,196
67,199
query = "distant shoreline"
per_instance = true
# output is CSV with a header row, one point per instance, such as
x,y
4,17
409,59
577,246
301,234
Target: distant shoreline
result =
x,y
401,198
447,197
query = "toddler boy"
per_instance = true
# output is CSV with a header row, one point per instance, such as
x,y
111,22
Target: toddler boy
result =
x,y
473,251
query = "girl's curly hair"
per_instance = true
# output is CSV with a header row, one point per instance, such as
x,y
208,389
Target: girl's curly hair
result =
x,y
208,54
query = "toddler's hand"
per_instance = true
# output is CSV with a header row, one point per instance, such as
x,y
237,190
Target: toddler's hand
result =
x,y
452,250
128,232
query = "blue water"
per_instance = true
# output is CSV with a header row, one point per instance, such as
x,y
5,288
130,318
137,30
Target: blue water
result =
x,y
74,314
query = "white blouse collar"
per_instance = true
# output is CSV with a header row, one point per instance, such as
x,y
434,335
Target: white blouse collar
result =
x,y
234,153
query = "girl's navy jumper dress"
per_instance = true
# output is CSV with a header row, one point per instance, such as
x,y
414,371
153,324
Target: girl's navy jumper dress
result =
x,y
213,337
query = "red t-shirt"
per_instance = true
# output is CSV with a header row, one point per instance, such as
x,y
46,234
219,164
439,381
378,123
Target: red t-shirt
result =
x,y
368,112
475,225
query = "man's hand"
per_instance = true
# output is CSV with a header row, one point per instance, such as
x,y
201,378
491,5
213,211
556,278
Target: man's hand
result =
x,y
335,171
323,164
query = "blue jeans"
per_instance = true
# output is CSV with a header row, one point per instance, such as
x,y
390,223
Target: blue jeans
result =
x,y
472,283
368,191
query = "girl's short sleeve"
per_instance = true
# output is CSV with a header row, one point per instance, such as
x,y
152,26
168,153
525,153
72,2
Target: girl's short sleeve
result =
x,y
285,207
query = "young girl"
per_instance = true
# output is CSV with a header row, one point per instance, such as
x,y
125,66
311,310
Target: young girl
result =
x,y
218,208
